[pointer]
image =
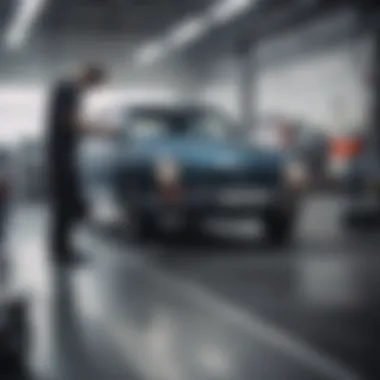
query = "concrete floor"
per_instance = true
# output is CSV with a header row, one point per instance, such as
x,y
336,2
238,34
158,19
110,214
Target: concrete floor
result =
x,y
218,307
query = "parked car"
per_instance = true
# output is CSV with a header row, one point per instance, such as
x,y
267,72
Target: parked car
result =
x,y
188,164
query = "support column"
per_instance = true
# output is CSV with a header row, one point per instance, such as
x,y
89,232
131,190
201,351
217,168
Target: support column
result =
x,y
375,106
245,53
368,12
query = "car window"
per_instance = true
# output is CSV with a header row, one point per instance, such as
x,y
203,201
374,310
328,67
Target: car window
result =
x,y
145,127
211,125
152,124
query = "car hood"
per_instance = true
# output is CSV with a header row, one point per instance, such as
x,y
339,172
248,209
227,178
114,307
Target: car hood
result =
x,y
205,154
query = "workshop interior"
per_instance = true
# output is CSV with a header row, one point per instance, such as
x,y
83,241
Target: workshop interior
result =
x,y
229,221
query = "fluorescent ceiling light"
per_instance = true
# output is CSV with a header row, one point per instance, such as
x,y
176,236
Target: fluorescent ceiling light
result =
x,y
226,10
187,32
149,53
27,12
192,29
179,36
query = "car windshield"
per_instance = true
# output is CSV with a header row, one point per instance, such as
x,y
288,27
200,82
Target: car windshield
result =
x,y
151,124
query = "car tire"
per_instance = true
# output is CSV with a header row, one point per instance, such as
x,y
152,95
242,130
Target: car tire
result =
x,y
138,224
192,227
279,227
360,220
143,226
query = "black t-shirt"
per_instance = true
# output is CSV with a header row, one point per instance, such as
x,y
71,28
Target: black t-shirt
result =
x,y
63,137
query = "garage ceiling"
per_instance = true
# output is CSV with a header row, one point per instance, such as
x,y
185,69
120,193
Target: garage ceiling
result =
x,y
6,9
110,30
131,17
76,29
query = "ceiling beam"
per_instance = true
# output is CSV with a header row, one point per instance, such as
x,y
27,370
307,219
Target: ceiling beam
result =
x,y
20,25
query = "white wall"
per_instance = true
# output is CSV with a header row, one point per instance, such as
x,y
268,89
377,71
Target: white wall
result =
x,y
328,88
21,112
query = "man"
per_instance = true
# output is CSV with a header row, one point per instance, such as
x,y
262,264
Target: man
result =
x,y
65,128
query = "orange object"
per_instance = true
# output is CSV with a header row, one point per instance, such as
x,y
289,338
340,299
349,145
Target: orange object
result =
x,y
345,147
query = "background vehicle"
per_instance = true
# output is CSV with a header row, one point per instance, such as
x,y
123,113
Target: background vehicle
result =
x,y
185,165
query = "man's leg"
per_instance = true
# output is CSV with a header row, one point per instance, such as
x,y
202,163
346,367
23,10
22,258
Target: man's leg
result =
x,y
64,220
61,225
4,267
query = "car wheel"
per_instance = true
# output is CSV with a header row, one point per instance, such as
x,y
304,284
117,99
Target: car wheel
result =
x,y
360,220
192,224
142,226
279,227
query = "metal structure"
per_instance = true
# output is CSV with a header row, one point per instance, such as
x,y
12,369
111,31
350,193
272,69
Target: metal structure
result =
x,y
311,26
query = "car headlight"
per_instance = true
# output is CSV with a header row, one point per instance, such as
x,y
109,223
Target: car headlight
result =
x,y
167,172
296,174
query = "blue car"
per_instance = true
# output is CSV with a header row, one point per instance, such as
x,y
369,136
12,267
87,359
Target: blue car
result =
x,y
185,165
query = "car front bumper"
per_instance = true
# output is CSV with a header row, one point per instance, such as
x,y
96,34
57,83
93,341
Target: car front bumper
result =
x,y
223,203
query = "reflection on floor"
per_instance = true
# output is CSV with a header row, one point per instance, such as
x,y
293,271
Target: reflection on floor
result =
x,y
210,309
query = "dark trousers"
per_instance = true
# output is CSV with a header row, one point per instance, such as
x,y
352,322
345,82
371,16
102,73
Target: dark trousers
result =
x,y
3,216
4,273
62,224
67,208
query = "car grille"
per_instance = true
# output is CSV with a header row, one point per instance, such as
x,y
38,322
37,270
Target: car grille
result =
x,y
217,178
